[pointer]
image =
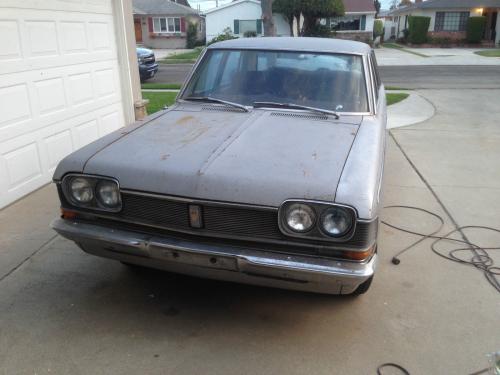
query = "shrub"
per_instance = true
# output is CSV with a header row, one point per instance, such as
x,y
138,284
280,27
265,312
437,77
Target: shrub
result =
x,y
191,35
249,34
418,28
320,31
404,38
441,41
226,35
475,29
378,28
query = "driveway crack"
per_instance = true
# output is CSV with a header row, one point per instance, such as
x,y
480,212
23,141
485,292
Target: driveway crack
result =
x,y
46,243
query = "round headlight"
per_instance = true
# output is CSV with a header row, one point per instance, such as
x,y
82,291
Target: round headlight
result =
x,y
300,217
81,190
336,221
108,194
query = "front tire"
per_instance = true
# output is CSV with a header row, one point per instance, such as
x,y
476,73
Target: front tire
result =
x,y
363,288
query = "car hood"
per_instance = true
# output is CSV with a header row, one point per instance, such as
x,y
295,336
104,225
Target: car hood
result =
x,y
210,152
143,52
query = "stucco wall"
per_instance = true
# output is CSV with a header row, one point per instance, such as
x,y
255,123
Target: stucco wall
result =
x,y
432,14
370,20
224,18
177,40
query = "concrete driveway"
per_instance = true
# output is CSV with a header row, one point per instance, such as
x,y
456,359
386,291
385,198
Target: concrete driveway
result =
x,y
63,311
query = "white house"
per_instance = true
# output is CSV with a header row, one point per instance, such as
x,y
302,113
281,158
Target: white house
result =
x,y
449,17
357,22
68,75
241,16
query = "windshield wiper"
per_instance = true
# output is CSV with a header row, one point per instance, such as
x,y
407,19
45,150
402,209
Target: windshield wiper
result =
x,y
215,100
295,106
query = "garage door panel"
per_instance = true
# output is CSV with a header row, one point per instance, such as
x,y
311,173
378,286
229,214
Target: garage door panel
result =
x,y
80,88
41,38
14,104
73,37
59,86
10,40
100,36
94,6
57,146
23,165
64,93
50,95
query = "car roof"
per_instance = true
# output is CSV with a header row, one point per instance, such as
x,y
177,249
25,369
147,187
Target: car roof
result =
x,y
295,44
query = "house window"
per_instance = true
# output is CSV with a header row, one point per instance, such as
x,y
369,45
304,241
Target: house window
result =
x,y
451,21
166,24
247,26
346,23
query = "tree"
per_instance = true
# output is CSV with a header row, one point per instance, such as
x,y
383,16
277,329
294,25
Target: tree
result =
x,y
377,7
289,9
267,17
313,10
394,4
405,3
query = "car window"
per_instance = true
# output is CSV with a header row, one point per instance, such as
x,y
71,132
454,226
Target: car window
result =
x,y
328,81
378,81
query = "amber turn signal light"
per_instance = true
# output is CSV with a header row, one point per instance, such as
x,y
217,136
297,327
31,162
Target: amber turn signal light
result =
x,y
359,255
67,214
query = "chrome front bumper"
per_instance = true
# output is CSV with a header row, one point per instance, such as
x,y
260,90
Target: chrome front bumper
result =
x,y
223,262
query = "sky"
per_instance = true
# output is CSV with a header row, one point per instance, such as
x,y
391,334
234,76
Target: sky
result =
x,y
208,4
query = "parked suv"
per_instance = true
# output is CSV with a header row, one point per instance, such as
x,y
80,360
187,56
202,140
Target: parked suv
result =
x,y
147,63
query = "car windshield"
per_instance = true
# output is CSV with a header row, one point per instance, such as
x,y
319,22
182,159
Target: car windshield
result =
x,y
333,82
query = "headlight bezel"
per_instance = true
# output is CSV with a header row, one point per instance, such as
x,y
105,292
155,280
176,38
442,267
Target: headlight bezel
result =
x,y
317,231
312,216
96,203
326,212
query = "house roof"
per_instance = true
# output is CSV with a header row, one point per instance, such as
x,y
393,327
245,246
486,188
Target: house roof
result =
x,y
183,2
166,7
359,6
443,4
296,44
231,4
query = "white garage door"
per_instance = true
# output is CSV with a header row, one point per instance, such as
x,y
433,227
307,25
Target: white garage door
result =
x,y
59,86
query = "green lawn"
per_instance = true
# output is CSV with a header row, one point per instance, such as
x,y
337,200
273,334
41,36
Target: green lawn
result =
x,y
402,48
161,86
183,58
393,98
489,53
396,88
157,100
392,45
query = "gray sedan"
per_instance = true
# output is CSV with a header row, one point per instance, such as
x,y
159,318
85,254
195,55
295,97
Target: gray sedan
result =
x,y
267,170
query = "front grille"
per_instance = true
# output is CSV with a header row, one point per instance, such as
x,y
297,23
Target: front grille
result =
x,y
249,223
154,211
234,221
149,59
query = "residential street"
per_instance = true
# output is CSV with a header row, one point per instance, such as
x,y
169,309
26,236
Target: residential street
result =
x,y
64,311
438,77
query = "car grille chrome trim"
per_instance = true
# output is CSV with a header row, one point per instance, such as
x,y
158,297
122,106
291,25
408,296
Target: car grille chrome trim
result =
x,y
224,220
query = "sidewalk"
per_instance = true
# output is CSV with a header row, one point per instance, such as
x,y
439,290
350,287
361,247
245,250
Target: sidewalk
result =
x,y
162,53
435,56
413,110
